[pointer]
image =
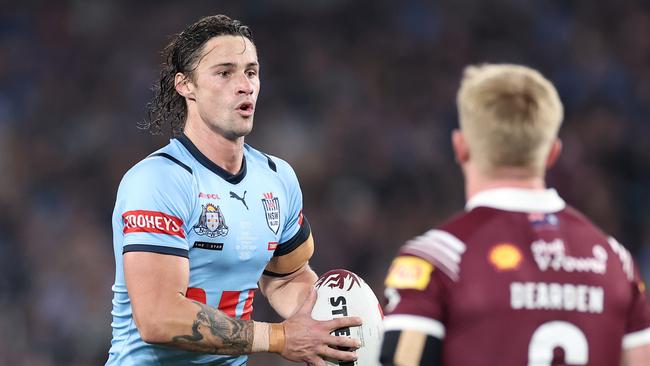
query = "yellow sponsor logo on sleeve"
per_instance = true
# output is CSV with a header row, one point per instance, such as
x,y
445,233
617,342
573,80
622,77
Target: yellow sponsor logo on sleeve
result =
x,y
409,273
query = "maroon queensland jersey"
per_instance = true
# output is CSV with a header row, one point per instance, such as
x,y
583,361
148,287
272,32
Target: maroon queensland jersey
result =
x,y
519,279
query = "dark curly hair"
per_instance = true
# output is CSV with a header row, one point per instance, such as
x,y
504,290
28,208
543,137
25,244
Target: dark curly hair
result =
x,y
181,55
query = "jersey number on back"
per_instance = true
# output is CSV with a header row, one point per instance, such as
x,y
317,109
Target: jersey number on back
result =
x,y
551,335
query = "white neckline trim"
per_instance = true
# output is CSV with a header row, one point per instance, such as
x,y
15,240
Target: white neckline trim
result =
x,y
518,200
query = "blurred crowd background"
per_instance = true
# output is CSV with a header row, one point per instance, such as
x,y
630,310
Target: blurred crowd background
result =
x,y
358,95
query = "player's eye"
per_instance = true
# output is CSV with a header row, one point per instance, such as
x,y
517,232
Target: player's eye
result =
x,y
224,74
251,73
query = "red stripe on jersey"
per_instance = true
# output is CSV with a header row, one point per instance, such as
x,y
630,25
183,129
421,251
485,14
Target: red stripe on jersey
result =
x,y
228,302
143,221
300,218
197,294
248,306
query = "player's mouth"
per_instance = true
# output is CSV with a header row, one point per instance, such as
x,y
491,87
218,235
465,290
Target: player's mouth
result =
x,y
245,109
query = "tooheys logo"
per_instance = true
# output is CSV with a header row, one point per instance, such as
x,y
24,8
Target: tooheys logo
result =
x,y
143,221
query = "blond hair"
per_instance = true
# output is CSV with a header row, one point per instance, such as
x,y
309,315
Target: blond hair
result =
x,y
509,115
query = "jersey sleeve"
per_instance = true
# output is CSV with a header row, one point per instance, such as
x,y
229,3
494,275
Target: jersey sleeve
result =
x,y
415,295
296,227
418,282
153,207
637,329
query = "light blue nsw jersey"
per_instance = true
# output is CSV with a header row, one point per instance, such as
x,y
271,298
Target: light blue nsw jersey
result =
x,y
178,202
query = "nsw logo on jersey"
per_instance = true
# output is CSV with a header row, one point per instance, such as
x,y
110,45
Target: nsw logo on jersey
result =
x,y
211,222
144,221
272,210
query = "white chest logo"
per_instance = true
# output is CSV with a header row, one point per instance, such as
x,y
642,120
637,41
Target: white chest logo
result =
x,y
246,239
272,211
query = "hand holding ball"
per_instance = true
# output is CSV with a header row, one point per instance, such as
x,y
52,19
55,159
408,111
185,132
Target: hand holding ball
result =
x,y
343,293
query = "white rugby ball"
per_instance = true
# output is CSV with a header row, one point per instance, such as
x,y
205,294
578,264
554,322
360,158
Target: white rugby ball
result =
x,y
343,293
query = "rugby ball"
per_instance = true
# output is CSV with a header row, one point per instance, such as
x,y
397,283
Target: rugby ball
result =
x,y
343,293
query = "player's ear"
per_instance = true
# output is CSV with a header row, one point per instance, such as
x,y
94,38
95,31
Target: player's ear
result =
x,y
554,153
184,86
461,150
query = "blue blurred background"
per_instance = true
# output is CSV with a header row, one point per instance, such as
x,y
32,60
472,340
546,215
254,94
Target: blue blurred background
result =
x,y
358,95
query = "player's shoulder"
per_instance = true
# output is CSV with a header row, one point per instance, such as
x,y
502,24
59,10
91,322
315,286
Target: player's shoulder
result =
x,y
589,230
445,245
465,223
168,165
438,246
596,234
577,220
269,163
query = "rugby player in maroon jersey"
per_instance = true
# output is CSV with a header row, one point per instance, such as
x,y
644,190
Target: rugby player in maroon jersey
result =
x,y
519,277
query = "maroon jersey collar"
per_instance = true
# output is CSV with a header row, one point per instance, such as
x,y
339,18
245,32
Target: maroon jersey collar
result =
x,y
518,200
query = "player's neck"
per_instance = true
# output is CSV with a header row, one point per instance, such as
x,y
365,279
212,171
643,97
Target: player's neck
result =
x,y
476,182
225,153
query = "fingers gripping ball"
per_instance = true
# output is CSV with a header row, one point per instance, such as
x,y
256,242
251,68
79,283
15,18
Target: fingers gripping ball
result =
x,y
343,293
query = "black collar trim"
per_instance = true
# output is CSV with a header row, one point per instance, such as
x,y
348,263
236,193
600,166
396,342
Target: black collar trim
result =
x,y
230,178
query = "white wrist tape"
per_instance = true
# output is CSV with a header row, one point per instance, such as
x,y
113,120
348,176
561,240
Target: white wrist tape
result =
x,y
260,337
268,337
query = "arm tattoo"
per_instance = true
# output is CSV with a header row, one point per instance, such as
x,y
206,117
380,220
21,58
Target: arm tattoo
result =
x,y
215,332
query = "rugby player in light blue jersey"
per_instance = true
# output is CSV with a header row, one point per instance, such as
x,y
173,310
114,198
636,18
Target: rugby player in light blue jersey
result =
x,y
201,223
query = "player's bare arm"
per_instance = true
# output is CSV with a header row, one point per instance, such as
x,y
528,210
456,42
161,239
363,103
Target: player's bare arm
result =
x,y
636,356
215,332
287,282
288,279
286,294
157,284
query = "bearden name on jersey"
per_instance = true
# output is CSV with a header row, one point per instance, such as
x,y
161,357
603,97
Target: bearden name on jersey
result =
x,y
556,296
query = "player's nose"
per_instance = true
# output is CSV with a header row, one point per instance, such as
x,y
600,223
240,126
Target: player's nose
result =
x,y
245,85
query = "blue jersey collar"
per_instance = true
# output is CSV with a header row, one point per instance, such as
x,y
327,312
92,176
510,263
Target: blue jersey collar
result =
x,y
230,178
